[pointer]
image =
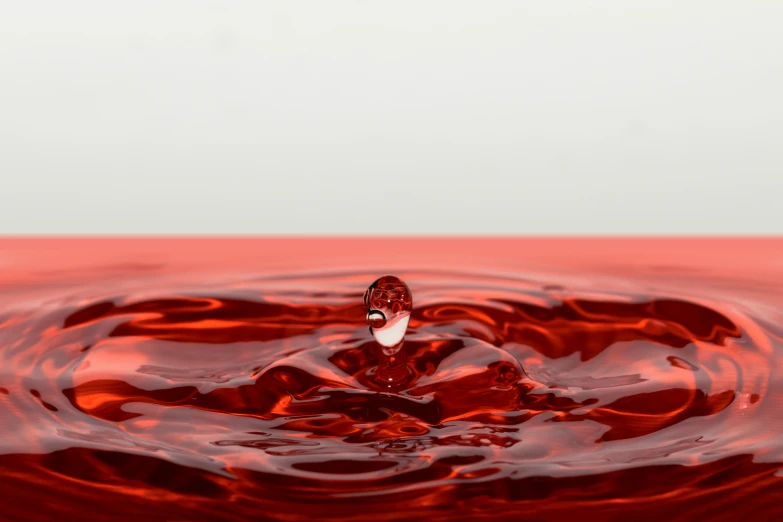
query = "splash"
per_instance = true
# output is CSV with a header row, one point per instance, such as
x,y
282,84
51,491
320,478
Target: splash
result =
x,y
389,304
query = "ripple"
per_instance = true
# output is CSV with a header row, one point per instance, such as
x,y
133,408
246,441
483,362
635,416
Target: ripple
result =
x,y
259,390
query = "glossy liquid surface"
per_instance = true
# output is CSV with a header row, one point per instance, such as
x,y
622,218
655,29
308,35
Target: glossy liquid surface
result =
x,y
237,393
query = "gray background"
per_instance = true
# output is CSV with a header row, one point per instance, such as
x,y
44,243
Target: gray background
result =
x,y
401,117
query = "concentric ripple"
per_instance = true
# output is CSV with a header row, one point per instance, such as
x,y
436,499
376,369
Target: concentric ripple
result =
x,y
252,399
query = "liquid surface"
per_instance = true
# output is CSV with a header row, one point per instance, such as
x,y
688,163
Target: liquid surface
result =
x,y
241,395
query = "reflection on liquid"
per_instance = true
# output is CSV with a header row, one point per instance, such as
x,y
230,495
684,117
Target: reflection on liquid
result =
x,y
266,398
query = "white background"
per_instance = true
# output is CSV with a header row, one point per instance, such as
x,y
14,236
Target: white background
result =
x,y
433,117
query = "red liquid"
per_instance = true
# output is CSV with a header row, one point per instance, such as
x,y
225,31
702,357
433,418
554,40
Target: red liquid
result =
x,y
552,380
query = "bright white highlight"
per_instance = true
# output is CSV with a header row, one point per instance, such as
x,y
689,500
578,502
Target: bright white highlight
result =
x,y
391,334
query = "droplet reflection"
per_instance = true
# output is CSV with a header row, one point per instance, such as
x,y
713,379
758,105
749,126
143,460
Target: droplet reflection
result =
x,y
389,304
